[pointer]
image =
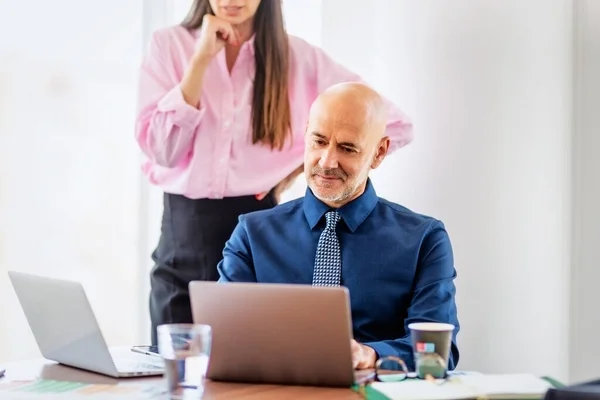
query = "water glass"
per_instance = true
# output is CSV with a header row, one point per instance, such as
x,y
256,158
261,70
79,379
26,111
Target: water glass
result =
x,y
185,349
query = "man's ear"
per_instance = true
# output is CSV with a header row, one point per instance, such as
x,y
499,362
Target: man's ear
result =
x,y
381,152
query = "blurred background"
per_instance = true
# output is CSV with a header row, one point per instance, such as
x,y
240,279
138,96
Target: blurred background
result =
x,y
504,98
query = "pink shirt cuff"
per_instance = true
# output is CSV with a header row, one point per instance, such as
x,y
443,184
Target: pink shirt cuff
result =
x,y
183,114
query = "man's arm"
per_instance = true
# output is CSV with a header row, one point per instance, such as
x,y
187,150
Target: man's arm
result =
x,y
433,298
237,264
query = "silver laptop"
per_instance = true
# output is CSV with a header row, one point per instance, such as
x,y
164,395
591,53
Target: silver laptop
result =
x,y
66,331
276,333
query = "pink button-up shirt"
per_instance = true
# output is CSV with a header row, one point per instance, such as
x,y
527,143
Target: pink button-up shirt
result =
x,y
208,152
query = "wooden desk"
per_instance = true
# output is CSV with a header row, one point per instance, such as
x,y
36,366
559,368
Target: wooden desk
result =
x,y
41,369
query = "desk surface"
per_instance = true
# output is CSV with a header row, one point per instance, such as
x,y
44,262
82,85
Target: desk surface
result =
x,y
41,369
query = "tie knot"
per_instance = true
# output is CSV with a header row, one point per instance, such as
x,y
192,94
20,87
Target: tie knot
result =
x,y
332,218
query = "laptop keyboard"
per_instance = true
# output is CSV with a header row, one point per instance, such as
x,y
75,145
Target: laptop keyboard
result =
x,y
132,365
127,361
149,366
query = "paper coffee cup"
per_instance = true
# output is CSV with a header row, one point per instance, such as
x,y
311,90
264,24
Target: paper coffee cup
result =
x,y
431,343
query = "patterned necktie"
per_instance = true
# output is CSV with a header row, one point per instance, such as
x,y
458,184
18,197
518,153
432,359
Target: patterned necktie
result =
x,y
328,262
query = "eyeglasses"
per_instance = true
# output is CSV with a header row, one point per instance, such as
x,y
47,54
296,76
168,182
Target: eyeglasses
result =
x,y
391,369
430,366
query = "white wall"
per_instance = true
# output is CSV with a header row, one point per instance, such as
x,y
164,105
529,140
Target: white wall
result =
x,y
585,320
488,84
68,165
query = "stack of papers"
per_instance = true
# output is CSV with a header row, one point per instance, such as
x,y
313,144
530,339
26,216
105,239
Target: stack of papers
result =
x,y
503,386
43,388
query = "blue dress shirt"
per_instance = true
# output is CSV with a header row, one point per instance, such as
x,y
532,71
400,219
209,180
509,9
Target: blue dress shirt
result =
x,y
397,265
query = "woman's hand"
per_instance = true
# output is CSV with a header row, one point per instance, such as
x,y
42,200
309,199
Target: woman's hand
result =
x,y
214,34
284,185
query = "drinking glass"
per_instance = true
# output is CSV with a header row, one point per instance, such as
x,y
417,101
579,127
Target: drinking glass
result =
x,y
185,349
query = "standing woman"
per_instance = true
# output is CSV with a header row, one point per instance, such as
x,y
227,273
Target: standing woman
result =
x,y
222,107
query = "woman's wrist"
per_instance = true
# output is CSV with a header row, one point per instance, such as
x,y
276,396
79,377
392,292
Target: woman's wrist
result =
x,y
199,61
191,83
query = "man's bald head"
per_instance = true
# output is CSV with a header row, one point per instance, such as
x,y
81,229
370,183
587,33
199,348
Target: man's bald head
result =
x,y
353,103
345,139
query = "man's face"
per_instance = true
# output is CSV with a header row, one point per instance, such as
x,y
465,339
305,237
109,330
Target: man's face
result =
x,y
340,150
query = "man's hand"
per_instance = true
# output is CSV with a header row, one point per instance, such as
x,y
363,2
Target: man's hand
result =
x,y
363,357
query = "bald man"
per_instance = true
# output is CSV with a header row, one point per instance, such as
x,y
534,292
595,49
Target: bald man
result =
x,y
397,265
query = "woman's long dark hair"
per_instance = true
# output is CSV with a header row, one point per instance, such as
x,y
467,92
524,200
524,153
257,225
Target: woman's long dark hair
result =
x,y
271,115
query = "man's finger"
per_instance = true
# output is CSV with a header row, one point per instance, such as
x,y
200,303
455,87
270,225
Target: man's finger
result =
x,y
355,353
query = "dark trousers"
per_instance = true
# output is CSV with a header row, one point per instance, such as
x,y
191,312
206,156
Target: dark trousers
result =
x,y
193,235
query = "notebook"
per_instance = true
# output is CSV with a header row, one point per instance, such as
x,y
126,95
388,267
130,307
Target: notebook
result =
x,y
492,386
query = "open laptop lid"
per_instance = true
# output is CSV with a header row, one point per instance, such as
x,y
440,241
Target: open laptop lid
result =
x,y
276,333
62,322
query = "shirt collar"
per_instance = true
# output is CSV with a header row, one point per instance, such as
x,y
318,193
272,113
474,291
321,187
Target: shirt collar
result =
x,y
353,213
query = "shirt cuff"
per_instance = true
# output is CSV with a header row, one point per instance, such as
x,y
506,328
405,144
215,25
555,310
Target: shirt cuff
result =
x,y
382,349
183,114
